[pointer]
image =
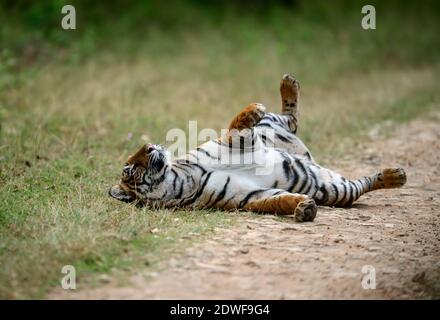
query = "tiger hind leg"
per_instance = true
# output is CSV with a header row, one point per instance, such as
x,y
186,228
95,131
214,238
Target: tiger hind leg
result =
x,y
289,89
301,206
344,192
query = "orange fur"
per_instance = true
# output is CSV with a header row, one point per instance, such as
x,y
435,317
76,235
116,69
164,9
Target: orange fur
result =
x,y
389,178
282,204
301,206
247,118
140,157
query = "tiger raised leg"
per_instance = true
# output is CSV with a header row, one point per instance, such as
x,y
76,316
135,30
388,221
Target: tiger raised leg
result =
x,y
250,116
289,90
279,130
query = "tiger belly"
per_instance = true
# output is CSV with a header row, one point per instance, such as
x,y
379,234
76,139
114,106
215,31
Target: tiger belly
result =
x,y
231,185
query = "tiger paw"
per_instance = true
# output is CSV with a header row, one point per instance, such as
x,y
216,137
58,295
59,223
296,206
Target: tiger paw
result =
x,y
390,178
248,117
305,211
289,88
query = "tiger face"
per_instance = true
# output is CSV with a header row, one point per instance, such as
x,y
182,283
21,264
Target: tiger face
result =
x,y
141,173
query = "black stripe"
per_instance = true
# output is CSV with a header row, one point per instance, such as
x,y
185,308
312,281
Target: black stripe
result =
x,y
221,195
358,190
248,196
175,178
190,178
157,181
282,138
180,190
335,188
186,202
286,168
324,198
294,179
199,167
360,186
279,119
178,165
206,152
344,195
310,185
370,183
271,117
210,197
350,199
227,201
314,182
263,124
363,185
304,171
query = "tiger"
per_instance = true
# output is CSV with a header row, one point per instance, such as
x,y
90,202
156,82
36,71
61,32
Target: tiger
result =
x,y
294,186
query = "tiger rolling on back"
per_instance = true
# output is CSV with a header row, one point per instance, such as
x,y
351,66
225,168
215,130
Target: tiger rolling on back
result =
x,y
260,165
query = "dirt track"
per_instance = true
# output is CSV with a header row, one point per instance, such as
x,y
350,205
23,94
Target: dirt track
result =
x,y
395,231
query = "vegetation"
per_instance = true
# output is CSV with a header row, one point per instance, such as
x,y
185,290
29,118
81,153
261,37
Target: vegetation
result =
x,y
75,104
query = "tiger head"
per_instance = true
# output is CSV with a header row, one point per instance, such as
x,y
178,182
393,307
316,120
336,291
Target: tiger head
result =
x,y
142,172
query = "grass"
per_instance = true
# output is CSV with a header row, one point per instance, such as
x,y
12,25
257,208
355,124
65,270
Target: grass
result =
x,y
67,126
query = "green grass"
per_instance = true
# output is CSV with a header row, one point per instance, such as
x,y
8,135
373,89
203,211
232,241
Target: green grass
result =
x,y
68,126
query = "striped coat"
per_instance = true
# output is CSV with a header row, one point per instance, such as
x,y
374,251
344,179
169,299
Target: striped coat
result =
x,y
260,165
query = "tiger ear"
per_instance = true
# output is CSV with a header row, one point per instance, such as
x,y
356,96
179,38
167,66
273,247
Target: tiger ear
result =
x,y
118,193
140,157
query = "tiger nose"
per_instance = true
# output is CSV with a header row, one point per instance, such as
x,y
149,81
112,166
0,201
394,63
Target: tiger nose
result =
x,y
150,148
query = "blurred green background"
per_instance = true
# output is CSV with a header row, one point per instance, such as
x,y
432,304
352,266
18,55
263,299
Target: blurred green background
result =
x,y
75,103
31,29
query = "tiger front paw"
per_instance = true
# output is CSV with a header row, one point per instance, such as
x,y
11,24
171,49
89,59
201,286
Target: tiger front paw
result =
x,y
248,117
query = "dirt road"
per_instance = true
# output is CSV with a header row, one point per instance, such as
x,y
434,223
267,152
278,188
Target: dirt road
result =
x,y
397,232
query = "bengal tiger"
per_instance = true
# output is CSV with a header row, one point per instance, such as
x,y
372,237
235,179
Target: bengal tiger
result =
x,y
201,179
